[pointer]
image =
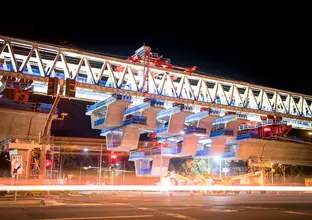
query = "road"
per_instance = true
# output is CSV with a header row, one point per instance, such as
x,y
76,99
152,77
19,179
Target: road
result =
x,y
162,206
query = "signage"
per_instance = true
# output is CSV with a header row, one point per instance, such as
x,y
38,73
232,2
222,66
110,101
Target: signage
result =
x,y
17,164
13,152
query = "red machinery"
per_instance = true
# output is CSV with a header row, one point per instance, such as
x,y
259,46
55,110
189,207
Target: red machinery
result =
x,y
273,130
129,116
144,55
205,109
15,90
249,179
266,130
229,113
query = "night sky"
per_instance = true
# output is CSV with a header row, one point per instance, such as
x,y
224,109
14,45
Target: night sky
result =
x,y
269,49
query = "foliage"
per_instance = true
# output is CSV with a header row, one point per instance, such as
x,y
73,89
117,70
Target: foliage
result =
x,y
191,167
87,161
68,160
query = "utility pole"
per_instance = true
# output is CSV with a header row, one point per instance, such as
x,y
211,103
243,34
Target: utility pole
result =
x,y
124,173
284,171
100,174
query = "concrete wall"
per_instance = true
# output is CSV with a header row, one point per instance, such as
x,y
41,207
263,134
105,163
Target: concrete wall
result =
x,y
21,124
276,152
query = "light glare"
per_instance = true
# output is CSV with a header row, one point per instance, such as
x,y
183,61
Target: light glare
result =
x,y
153,188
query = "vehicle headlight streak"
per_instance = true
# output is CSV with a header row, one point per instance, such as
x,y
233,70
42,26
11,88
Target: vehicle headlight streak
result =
x,y
152,188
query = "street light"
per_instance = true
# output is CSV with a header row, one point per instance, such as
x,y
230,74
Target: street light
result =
x,y
272,173
100,174
218,159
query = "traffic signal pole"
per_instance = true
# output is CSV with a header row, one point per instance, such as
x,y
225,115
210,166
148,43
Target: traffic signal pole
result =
x,y
100,174
44,137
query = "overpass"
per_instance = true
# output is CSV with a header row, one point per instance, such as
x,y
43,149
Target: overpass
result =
x,y
70,143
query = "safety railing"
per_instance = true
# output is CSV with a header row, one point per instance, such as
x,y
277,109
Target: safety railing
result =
x,y
137,108
113,144
27,106
203,152
244,136
261,123
223,132
229,154
101,104
99,122
229,118
200,115
156,151
169,112
195,130
135,120
145,171
224,119
161,130
156,103
172,150
136,155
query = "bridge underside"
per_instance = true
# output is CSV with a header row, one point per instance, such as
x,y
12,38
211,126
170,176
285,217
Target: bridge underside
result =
x,y
21,124
276,152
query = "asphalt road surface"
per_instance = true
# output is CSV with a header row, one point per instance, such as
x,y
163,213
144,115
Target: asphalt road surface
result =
x,y
162,206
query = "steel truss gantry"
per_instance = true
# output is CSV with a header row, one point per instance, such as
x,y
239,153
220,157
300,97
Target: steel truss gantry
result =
x,y
103,74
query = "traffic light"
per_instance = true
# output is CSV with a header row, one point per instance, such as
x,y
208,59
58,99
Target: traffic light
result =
x,y
52,85
113,159
70,90
49,159
48,163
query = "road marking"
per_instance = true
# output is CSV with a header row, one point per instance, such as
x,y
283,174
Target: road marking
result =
x,y
181,216
101,217
220,210
180,208
230,210
297,213
192,204
83,204
118,203
148,209
258,208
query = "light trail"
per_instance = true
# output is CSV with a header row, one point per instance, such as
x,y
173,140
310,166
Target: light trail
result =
x,y
152,188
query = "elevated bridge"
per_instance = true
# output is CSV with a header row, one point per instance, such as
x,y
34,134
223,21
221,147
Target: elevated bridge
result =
x,y
98,77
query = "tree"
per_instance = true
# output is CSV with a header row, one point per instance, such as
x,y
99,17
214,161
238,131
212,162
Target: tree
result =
x,y
193,167
70,163
87,161
67,160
